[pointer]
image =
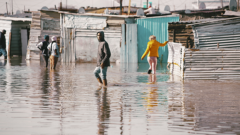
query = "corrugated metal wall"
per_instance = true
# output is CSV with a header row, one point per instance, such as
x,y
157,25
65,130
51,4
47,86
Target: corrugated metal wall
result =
x,y
157,26
212,64
225,32
129,49
7,25
16,48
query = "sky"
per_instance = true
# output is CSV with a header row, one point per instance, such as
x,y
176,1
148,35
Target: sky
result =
x,y
35,5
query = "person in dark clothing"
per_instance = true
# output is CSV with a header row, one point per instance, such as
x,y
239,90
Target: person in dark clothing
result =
x,y
103,61
43,47
3,44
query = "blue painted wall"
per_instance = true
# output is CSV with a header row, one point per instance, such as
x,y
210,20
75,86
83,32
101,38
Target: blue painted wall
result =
x,y
157,26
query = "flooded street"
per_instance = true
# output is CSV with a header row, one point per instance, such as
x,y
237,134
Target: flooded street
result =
x,y
68,101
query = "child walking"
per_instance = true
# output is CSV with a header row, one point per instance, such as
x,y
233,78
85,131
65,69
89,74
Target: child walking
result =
x,y
152,51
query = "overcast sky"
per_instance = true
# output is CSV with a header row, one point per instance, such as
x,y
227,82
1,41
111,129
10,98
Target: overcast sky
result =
x,y
34,5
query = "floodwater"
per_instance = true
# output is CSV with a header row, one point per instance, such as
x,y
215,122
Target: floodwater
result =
x,y
68,101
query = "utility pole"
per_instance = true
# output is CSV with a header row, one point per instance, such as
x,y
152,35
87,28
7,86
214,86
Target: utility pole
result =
x,y
6,8
121,7
147,3
12,7
198,4
222,4
66,4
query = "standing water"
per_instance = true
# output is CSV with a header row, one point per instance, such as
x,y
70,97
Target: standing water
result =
x,y
68,101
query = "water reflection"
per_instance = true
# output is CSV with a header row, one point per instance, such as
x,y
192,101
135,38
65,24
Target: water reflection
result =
x,y
69,101
103,110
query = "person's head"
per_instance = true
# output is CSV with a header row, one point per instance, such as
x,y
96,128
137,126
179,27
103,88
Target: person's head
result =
x,y
100,36
152,37
3,31
46,38
54,38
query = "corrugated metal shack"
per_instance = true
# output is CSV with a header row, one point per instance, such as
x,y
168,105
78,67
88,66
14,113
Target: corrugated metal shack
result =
x,y
79,41
181,32
217,53
13,27
44,22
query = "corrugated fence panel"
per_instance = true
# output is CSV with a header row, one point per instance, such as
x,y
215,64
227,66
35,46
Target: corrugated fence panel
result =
x,y
225,32
86,43
157,26
175,58
212,64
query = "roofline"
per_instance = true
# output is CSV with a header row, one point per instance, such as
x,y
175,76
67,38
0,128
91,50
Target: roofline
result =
x,y
15,19
214,21
101,15
175,15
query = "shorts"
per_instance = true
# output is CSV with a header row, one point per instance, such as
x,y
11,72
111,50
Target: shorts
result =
x,y
3,52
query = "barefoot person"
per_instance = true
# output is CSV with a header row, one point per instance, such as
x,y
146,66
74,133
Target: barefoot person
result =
x,y
3,44
103,61
43,47
53,47
152,49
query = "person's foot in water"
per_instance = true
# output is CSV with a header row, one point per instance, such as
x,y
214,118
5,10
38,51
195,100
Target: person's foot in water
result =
x,y
149,71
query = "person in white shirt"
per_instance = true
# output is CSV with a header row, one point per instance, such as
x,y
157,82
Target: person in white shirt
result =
x,y
150,10
53,47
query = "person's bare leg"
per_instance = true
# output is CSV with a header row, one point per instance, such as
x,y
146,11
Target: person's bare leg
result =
x,y
154,65
150,65
105,82
100,81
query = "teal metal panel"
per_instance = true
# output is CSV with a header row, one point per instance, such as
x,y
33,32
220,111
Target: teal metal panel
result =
x,y
157,26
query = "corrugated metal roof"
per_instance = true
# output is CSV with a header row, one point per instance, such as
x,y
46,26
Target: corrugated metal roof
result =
x,y
226,32
16,19
195,21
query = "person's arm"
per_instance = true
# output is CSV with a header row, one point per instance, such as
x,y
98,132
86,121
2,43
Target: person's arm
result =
x,y
163,44
107,52
39,45
147,10
55,48
146,52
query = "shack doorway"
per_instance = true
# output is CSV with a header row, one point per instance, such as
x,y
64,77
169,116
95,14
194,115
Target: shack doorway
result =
x,y
129,46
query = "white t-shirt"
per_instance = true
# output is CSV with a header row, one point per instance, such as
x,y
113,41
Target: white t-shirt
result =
x,y
54,47
151,10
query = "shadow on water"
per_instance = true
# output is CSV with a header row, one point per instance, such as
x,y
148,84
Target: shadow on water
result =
x,y
68,100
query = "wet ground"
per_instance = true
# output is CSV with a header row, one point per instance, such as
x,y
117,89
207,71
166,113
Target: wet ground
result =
x,y
68,101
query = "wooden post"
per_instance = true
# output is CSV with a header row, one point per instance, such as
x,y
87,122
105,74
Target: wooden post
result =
x,y
129,7
217,45
173,35
9,46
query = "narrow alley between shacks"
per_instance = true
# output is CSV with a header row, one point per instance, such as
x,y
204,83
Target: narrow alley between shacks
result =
x,y
68,101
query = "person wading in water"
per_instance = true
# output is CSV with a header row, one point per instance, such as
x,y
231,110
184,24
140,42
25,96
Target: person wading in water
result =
x,y
103,61
43,47
152,49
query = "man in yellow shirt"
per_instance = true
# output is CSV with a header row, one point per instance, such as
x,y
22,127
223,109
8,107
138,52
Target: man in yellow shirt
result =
x,y
152,49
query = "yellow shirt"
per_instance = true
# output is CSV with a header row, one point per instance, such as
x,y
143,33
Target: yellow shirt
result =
x,y
152,48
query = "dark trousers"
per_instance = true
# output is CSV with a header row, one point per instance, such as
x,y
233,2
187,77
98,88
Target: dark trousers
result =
x,y
45,59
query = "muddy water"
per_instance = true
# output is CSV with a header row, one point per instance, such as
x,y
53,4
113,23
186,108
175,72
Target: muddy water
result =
x,y
68,101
